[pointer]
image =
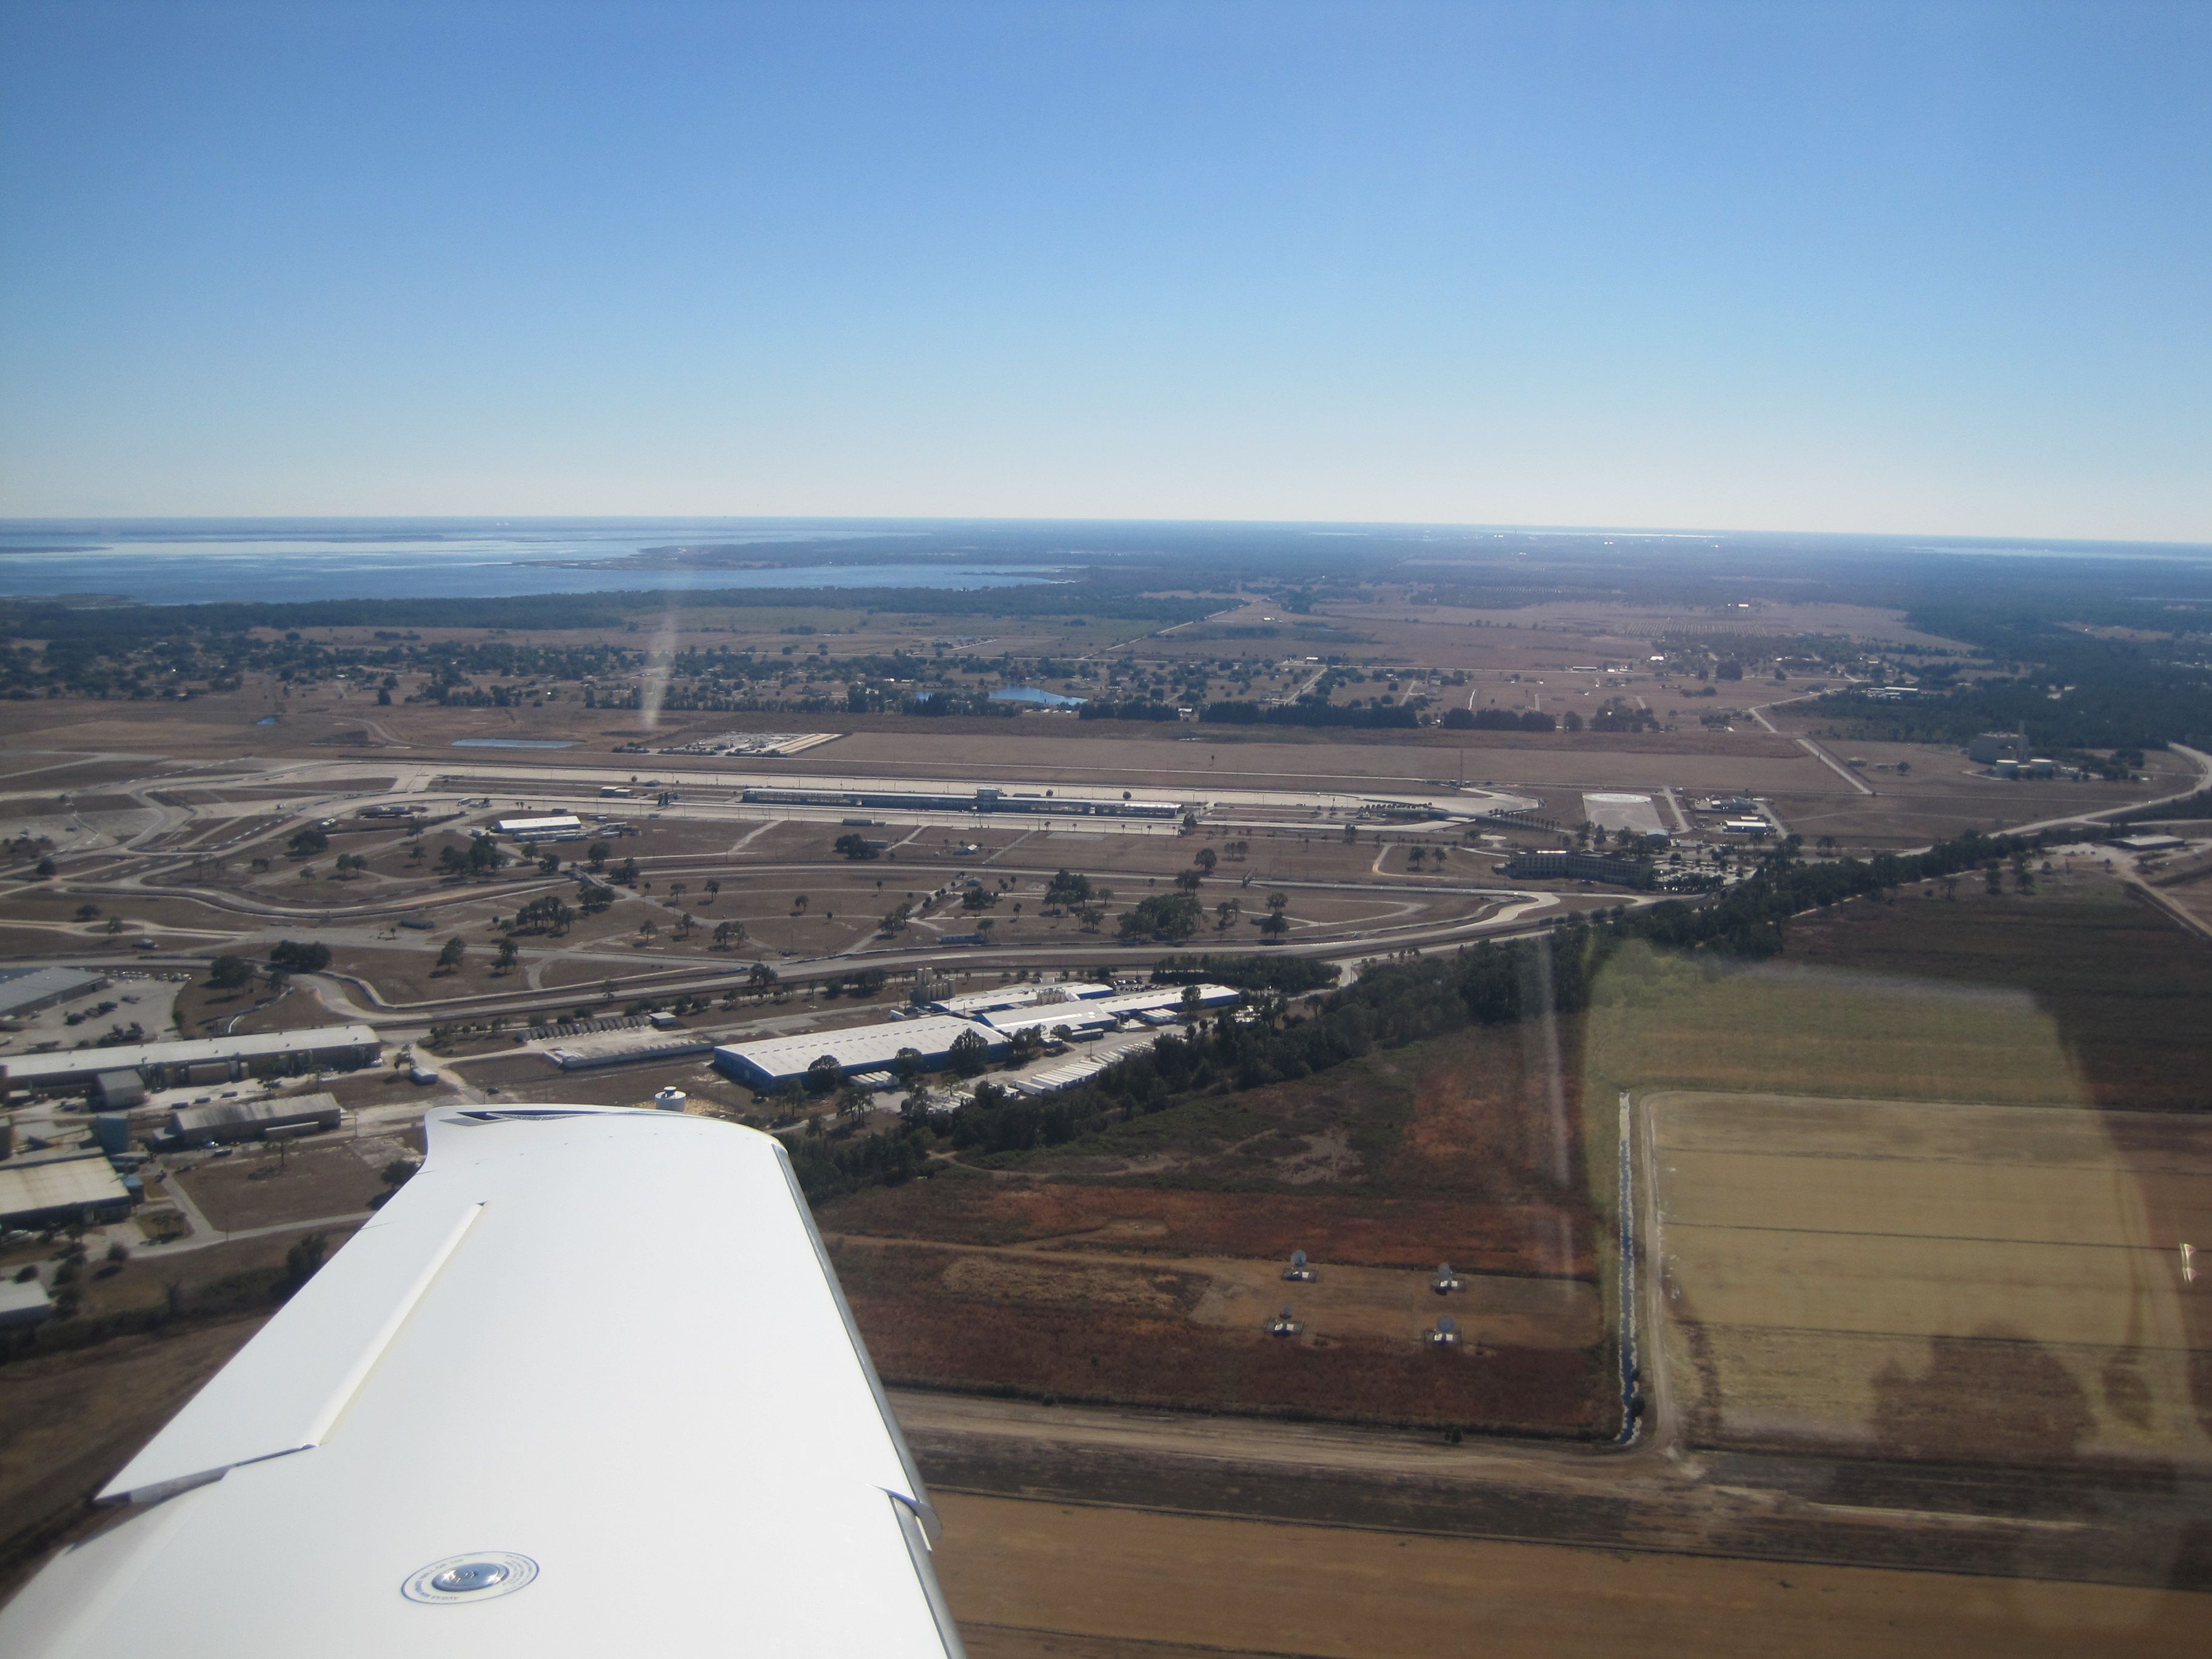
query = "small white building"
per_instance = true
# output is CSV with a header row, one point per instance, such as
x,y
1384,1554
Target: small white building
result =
x,y
557,826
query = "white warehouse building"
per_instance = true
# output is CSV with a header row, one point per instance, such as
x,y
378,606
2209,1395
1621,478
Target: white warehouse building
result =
x,y
976,1004
1102,1012
557,826
772,1062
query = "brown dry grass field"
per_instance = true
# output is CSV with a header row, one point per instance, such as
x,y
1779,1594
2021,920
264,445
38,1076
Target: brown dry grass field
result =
x,y
1034,1580
1143,1265
69,1421
1173,1333
1965,1283
260,1186
2192,894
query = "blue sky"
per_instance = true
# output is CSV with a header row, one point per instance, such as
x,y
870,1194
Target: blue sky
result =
x,y
1922,267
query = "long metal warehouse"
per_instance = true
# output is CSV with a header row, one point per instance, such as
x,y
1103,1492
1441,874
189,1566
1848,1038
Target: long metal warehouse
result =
x,y
1096,1015
775,1060
973,1003
204,1060
50,1191
249,1120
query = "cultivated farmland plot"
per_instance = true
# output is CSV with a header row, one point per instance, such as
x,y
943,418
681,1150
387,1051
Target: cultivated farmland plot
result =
x,y
1927,1280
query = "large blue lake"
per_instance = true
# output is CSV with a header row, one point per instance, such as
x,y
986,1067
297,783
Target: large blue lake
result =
x,y
185,563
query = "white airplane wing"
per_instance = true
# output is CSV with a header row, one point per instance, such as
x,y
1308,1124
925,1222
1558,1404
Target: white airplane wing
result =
x,y
585,1386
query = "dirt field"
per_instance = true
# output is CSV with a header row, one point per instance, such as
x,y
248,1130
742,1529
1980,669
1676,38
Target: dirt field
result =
x,y
1145,1263
69,1421
1030,1580
2194,895
259,1186
1957,1282
1173,1334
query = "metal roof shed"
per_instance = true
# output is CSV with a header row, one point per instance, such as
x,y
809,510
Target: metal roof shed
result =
x,y
776,1060
244,1119
56,1190
343,1046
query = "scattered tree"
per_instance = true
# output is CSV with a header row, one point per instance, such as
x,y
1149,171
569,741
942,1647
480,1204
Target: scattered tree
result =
x,y
302,1260
301,957
1163,916
969,1054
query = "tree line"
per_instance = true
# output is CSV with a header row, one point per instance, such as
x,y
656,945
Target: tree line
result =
x,y
1392,1004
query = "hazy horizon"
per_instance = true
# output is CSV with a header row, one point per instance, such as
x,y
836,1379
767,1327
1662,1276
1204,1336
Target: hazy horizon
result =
x,y
762,524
